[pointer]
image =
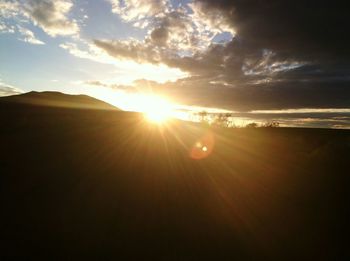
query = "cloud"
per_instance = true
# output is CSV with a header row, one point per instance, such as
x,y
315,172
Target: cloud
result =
x,y
282,55
136,10
177,30
160,36
212,61
114,86
51,16
210,21
28,36
275,55
9,9
7,90
265,96
125,69
84,50
6,28
138,51
96,83
180,28
311,30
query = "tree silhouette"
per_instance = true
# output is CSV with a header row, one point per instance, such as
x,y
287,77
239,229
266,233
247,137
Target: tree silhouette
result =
x,y
271,124
203,117
252,125
223,119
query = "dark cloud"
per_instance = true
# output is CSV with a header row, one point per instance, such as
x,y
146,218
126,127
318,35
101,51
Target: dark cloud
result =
x,y
210,62
263,96
126,88
138,51
310,29
224,77
160,36
285,54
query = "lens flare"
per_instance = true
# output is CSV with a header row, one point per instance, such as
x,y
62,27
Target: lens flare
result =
x,y
203,147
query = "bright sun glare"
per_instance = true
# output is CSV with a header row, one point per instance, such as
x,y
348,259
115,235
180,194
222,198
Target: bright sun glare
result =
x,y
155,109
157,117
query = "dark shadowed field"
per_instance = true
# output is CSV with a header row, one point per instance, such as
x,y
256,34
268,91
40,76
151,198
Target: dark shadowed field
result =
x,y
107,185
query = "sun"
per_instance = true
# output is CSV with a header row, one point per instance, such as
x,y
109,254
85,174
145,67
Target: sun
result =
x,y
156,116
156,109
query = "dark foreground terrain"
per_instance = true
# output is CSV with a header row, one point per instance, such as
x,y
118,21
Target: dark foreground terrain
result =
x,y
107,185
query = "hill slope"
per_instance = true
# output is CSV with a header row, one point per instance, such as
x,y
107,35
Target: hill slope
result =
x,y
107,185
56,99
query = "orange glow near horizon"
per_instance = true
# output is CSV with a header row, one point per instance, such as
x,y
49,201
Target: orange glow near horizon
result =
x,y
155,108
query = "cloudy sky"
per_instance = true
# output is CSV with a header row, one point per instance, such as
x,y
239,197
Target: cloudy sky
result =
x,y
284,60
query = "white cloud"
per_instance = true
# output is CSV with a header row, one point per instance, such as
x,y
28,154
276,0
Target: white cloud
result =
x,y
51,16
268,64
6,28
127,70
85,50
7,90
8,9
28,36
186,29
135,10
73,49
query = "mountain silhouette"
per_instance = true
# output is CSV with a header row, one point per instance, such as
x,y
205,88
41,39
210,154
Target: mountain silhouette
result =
x,y
107,185
57,99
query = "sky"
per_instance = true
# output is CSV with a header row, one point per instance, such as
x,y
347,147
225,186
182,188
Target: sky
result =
x,y
263,60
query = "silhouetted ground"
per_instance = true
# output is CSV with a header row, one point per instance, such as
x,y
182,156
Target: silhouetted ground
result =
x,y
56,99
106,185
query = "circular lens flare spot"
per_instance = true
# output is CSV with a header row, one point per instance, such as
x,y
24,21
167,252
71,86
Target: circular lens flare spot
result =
x,y
203,147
